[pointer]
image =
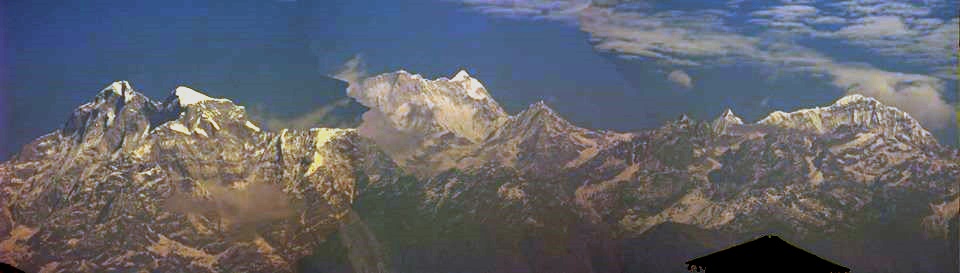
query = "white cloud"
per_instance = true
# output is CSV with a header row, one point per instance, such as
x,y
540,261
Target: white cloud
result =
x,y
828,20
938,48
680,78
734,4
877,8
928,41
876,27
787,18
319,117
790,28
672,37
916,94
925,23
788,12
534,7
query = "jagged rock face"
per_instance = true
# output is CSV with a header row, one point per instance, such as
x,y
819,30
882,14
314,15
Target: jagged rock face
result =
x,y
185,185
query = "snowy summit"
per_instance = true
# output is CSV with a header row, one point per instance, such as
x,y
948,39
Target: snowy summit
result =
x,y
189,96
471,85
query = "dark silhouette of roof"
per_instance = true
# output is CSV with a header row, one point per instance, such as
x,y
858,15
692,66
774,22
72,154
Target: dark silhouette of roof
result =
x,y
765,254
6,268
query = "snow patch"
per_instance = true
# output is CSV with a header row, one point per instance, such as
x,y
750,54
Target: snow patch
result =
x,y
117,87
110,117
251,126
189,96
774,118
178,127
201,131
322,137
213,123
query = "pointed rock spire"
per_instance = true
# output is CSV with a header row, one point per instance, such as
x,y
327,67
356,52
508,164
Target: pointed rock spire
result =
x,y
725,121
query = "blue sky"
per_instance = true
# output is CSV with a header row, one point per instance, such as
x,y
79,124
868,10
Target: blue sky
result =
x,y
601,64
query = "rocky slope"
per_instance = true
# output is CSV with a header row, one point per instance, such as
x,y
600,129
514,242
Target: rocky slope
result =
x,y
461,186
188,184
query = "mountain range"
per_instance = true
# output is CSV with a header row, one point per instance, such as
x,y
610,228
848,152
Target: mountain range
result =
x,y
439,178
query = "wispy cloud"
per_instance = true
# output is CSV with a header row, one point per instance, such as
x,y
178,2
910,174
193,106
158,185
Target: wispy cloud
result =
x,y
671,37
827,20
320,117
930,42
875,27
787,12
875,8
241,209
352,72
702,38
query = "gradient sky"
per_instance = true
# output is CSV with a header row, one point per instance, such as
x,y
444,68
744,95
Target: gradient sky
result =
x,y
602,66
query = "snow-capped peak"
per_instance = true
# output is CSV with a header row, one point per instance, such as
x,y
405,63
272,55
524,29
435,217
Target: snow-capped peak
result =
x,y
854,110
461,76
852,99
117,87
430,106
540,105
188,96
473,87
120,89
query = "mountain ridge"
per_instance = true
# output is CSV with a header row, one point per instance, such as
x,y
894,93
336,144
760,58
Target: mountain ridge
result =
x,y
262,199
853,110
